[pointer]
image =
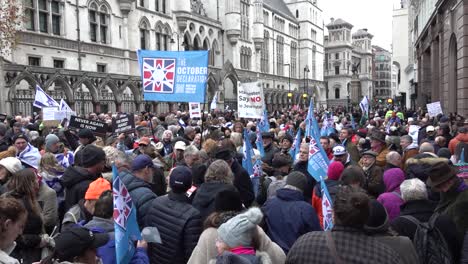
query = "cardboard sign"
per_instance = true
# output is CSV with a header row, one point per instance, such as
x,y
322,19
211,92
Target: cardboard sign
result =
x,y
48,113
95,126
433,109
195,110
250,100
123,124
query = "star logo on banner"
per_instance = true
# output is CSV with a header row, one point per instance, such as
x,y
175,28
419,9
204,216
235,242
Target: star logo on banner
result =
x,y
159,75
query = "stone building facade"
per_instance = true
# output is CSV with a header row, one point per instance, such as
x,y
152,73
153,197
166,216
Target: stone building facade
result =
x,y
383,88
85,50
346,55
440,32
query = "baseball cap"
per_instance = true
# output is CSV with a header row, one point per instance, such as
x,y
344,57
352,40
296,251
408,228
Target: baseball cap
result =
x,y
180,179
430,129
145,141
180,145
75,241
142,161
339,150
96,188
86,133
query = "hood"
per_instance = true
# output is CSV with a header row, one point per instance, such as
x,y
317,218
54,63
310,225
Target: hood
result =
x,y
463,137
207,192
74,175
107,225
392,179
289,195
419,167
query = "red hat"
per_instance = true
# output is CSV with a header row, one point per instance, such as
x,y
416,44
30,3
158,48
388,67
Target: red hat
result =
x,y
334,170
96,188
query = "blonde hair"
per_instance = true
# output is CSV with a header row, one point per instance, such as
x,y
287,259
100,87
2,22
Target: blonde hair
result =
x,y
50,164
219,171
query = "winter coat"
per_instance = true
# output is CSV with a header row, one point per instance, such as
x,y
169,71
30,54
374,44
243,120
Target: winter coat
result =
x,y
205,197
381,159
464,252
47,199
4,144
301,166
264,184
206,249
6,259
317,195
76,181
243,184
391,199
461,137
454,203
352,150
231,258
141,194
374,183
288,216
76,215
410,151
352,246
270,152
179,225
423,210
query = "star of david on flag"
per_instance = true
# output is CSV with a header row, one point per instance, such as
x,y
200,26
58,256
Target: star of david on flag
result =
x,y
159,75
42,99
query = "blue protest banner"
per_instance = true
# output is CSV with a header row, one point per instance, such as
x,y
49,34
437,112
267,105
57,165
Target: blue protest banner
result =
x,y
172,76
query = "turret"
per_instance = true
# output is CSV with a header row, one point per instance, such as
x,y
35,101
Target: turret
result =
x,y
233,20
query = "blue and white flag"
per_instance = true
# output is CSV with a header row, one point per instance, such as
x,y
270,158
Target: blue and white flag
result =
x,y
172,76
259,143
42,99
296,145
263,124
353,124
248,151
364,105
125,223
318,160
213,102
327,207
64,107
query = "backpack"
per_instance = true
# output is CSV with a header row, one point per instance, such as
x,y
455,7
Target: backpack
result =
x,y
429,242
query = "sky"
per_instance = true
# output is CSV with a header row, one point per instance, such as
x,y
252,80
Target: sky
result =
x,y
375,15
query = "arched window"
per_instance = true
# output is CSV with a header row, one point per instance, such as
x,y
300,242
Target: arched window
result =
x,y
98,23
245,58
293,59
213,51
245,27
166,38
49,14
264,67
280,55
297,13
158,38
337,93
144,33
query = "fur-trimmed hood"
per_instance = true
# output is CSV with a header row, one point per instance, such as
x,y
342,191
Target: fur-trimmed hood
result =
x,y
420,165
230,258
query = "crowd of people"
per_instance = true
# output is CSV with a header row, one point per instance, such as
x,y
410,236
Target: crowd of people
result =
x,y
396,180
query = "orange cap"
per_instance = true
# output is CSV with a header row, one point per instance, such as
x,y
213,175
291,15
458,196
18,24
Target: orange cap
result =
x,y
96,188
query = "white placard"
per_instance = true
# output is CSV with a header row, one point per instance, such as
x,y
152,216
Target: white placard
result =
x,y
433,109
195,110
250,100
48,113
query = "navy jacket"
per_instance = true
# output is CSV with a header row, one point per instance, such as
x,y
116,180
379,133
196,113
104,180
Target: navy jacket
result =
x,y
288,216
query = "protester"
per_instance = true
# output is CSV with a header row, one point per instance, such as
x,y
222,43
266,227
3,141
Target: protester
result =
x,y
345,137
8,166
25,152
13,216
393,159
379,146
373,173
391,198
340,154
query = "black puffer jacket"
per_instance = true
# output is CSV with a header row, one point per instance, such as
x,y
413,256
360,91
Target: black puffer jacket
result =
x,y
243,183
270,151
205,197
76,181
301,166
179,225
141,193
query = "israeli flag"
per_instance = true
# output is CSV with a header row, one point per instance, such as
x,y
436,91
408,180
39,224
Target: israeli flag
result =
x,y
65,107
213,102
42,99
364,104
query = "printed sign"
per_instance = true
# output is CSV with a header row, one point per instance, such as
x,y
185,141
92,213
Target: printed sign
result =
x,y
195,110
434,109
171,76
250,100
95,126
123,124
48,113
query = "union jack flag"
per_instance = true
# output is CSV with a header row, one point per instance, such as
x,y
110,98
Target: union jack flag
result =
x,y
159,75
122,203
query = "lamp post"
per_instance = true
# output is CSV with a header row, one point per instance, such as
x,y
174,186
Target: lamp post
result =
x,y
306,70
289,84
172,39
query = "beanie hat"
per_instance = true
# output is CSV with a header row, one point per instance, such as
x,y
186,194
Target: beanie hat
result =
x,y
90,155
281,159
297,179
96,188
86,133
51,139
334,170
289,138
228,200
444,153
11,164
238,231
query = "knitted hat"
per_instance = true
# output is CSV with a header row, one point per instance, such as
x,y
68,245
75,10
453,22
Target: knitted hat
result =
x,y
281,159
96,188
444,153
228,200
289,138
86,133
297,179
90,155
334,170
238,231
439,173
51,139
11,164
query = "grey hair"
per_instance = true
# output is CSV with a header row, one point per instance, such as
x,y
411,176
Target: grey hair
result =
x,y
392,156
167,132
188,130
219,171
407,138
305,145
413,189
191,150
173,128
236,138
426,147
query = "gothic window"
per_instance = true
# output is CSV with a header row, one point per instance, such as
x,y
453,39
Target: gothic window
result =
x,y
337,93
98,23
43,15
246,55
264,66
158,38
313,35
293,59
314,68
245,34
280,55
144,33
297,13
266,18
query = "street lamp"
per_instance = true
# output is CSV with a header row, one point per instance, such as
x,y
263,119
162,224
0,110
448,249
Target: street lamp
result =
x,y
306,70
289,83
172,39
